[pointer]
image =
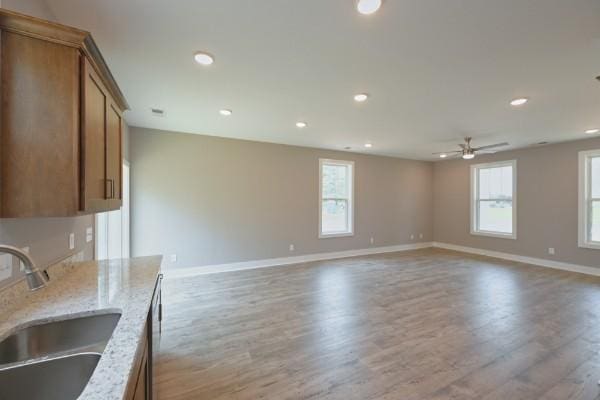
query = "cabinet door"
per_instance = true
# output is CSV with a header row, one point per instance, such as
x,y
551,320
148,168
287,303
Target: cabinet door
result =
x,y
114,161
141,387
39,148
93,141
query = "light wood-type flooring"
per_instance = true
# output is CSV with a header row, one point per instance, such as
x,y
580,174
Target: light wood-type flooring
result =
x,y
427,324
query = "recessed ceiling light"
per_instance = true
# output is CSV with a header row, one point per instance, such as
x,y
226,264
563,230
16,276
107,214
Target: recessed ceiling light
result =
x,y
443,155
301,124
225,112
368,145
519,102
367,7
592,131
203,58
361,97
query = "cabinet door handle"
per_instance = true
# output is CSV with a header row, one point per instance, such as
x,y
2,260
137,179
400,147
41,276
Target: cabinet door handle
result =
x,y
112,189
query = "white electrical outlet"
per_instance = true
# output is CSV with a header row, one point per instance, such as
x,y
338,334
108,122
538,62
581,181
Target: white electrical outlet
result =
x,y
292,247
21,265
71,241
89,235
551,251
6,266
372,240
173,258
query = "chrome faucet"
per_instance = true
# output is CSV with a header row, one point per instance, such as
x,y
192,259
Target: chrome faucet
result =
x,y
35,278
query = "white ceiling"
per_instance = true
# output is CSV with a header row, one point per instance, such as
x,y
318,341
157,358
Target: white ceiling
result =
x,y
436,70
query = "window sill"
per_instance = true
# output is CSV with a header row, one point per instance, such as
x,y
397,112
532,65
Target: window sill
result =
x,y
512,236
335,235
593,246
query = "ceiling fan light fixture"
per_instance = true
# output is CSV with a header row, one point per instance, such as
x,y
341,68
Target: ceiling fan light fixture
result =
x,y
468,153
592,131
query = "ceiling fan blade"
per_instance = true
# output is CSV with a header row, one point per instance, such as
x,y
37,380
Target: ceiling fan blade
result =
x,y
487,151
491,146
462,145
446,152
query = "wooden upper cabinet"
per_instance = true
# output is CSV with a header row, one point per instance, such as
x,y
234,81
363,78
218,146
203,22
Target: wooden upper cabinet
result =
x,y
61,122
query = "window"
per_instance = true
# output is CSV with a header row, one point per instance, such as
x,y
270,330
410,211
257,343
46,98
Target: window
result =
x,y
493,199
336,197
589,199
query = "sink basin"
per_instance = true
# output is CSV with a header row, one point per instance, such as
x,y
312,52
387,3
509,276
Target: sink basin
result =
x,y
61,378
89,333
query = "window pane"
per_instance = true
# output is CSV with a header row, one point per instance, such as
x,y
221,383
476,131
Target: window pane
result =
x,y
335,181
595,229
335,216
595,177
496,183
495,216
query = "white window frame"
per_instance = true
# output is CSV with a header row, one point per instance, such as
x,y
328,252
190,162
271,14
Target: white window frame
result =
x,y
350,165
585,200
475,199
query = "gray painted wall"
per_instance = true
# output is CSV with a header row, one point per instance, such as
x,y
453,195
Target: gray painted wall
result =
x,y
547,202
212,200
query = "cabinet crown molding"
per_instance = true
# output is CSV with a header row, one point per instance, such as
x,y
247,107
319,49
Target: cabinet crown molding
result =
x,y
62,34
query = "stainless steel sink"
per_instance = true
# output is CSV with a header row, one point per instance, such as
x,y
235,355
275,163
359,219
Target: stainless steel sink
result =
x,y
62,378
89,333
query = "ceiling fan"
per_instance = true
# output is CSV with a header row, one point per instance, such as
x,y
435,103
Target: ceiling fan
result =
x,y
467,152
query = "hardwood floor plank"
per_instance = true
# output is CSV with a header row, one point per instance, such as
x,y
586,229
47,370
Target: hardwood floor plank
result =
x,y
426,324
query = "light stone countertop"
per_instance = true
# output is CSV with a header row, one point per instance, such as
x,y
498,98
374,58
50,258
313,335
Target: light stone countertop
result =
x,y
125,286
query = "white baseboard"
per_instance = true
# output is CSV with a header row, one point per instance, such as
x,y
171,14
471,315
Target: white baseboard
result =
x,y
282,261
522,259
